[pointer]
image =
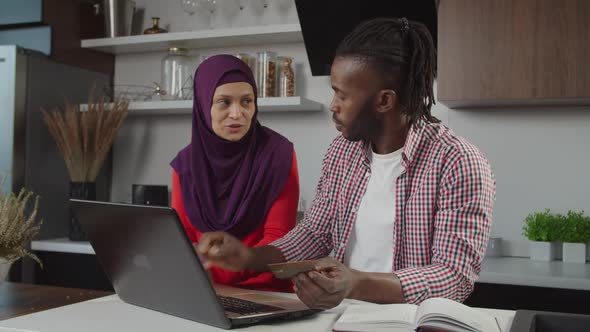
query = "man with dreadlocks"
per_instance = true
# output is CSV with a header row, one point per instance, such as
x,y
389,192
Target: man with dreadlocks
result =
x,y
403,205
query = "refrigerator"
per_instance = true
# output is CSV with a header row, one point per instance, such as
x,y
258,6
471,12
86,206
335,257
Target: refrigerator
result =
x,y
30,81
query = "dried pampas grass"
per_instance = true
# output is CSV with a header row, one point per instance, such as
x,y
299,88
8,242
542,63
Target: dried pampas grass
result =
x,y
84,137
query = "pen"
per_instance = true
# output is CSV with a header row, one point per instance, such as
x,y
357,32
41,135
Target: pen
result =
x,y
498,324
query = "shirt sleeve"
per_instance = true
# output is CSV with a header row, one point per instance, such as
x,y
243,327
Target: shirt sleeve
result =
x,y
178,205
312,237
461,231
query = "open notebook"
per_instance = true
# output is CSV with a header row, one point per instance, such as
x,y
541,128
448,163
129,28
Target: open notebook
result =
x,y
433,314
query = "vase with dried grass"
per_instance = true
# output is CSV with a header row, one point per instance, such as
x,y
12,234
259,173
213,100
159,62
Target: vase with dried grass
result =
x,y
84,138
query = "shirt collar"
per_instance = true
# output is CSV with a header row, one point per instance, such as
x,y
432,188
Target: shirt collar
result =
x,y
410,146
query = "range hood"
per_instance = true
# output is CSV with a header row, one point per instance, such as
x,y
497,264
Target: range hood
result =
x,y
324,23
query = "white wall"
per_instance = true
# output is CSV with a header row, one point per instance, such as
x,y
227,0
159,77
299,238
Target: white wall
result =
x,y
538,154
146,144
540,157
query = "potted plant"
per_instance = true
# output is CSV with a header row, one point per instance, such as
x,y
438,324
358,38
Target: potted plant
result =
x,y
574,232
17,228
542,230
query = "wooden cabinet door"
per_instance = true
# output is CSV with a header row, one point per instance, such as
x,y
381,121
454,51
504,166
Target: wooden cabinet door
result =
x,y
506,52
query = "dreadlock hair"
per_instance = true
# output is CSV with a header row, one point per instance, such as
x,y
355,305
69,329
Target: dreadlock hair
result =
x,y
403,53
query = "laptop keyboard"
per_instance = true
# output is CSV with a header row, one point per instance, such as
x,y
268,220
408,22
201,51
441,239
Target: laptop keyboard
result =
x,y
244,307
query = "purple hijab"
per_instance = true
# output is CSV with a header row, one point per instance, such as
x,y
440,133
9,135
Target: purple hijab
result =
x,y
229,186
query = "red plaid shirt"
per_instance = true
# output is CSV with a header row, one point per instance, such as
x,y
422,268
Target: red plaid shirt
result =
x,y
443,211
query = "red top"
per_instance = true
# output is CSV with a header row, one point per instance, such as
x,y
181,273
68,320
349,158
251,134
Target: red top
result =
x,y
280,219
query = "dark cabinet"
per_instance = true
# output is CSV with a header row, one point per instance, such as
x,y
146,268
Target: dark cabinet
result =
x,y
512,52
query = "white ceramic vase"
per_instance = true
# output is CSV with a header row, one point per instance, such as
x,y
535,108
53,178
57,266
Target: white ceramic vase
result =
x,y
574,252
4,268
542,251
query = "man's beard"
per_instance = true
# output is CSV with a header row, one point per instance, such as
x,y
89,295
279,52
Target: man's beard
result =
x,y
367,124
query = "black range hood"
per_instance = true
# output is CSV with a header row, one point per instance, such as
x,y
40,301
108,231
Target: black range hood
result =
x,y
324,23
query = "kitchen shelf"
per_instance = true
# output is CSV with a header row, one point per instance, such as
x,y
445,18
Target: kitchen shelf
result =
x,y
242,36
63,245
169,107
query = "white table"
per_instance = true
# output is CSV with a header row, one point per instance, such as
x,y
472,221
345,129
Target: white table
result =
x,y
111,314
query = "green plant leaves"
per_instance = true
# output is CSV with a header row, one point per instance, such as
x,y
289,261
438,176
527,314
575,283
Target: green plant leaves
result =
x,y
574,227
17,226
541,226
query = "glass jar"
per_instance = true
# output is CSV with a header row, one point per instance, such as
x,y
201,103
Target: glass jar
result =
x,y
249,60
286,77
176,72
267,74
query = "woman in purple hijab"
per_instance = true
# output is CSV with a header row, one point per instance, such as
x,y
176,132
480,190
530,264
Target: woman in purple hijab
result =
x,y
235,176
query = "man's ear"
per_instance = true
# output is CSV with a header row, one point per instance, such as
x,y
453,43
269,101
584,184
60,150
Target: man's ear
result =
x,y
387,101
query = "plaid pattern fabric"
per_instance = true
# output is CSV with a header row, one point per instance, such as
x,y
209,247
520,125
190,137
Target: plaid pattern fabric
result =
x,y
443,211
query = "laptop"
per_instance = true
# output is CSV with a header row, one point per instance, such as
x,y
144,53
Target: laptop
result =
x,y
151,263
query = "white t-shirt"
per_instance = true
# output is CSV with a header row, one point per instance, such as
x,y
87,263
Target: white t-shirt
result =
x,y
370,245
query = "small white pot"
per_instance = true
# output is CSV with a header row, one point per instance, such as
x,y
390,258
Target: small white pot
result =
x,y
542,251
4,268
574,252
558,250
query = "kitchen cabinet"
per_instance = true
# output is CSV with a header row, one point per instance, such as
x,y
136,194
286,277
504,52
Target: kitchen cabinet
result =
x,y
513,52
